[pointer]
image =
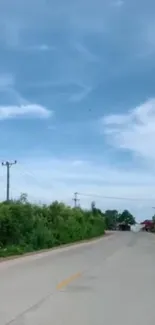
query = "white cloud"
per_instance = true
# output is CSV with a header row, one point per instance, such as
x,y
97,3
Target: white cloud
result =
x,y
18,106
32,110
134,130
116,119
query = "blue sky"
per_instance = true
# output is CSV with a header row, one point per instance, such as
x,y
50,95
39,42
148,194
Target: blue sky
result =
x,y
77,100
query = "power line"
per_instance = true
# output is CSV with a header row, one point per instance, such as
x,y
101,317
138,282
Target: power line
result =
x,y
25,171
115,197
8,164
75,199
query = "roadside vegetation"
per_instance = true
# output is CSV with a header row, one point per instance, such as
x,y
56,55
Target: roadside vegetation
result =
x,y
27,227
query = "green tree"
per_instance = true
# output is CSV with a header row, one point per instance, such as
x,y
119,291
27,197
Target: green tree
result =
x,y
111,219
127,218
23,198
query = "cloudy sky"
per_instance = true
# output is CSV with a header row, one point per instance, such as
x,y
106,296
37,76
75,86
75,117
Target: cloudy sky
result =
x,y
77,100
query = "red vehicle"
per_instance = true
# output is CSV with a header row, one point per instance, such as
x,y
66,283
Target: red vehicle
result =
x,y
148,225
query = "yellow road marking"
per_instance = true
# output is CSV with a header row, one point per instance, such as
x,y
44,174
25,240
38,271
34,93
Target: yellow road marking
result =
x,y
65,282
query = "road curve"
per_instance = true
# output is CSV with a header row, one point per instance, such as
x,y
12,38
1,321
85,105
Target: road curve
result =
x,y
109,281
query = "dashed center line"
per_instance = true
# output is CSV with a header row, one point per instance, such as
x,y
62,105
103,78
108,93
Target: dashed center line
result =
x,y
67,281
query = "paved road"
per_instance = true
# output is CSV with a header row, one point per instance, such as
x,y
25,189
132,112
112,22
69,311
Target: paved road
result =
x,y
109,281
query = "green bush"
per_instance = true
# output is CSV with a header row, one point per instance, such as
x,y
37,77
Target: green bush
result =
x,y
26,227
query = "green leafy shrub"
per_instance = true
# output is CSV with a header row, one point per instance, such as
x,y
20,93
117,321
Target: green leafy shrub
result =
x,y
26,227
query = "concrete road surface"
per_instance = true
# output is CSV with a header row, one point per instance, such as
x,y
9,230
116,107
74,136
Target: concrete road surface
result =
x,y
110,281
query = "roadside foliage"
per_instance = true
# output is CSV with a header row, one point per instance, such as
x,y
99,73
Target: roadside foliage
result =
x,y
27,227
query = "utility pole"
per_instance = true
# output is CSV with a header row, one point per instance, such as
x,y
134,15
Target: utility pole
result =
x,y
8,164
75,199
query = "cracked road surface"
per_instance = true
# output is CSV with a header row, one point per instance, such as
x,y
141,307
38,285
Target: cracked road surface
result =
x,y
107,281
